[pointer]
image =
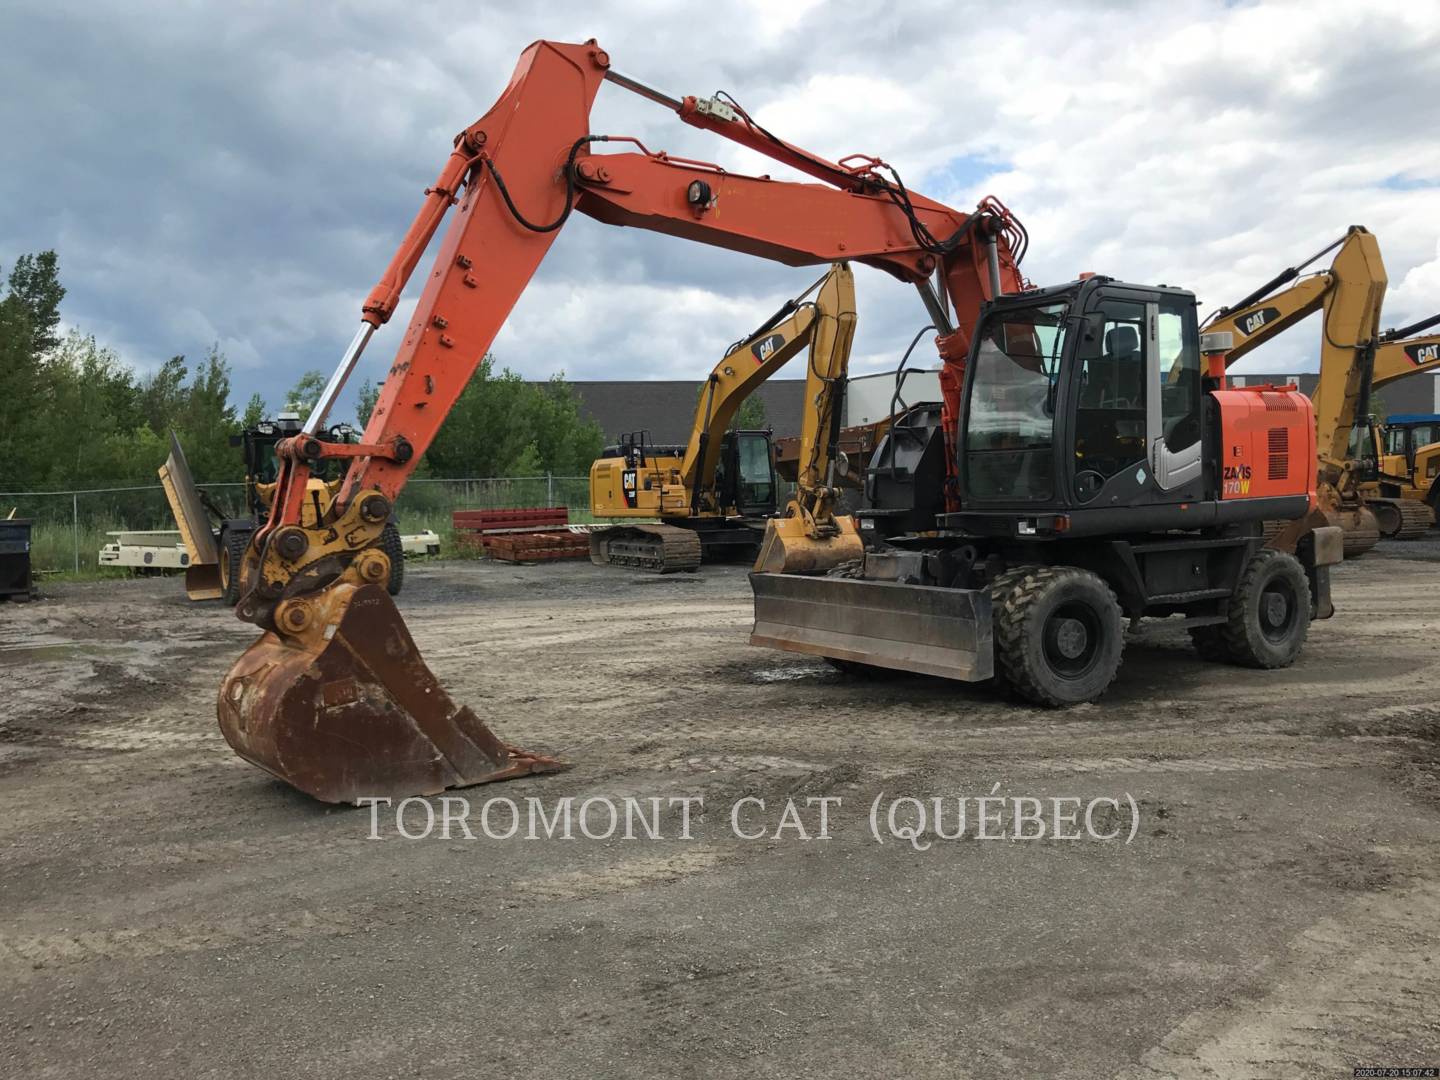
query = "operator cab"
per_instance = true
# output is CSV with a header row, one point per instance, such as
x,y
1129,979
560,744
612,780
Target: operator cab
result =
x,y
1083,400
745,476
1406,433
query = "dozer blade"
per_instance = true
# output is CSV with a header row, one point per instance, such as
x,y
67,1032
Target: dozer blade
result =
x,y
918,628
788,549
202,581
202,577
349,710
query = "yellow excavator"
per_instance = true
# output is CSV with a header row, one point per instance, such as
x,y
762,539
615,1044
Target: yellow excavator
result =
x,y
714,495
1355,358
1403,453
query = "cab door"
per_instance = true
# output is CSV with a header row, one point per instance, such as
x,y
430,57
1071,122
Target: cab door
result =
x,y
1172,414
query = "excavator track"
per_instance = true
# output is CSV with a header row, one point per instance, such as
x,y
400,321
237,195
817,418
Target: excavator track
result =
x,y
1360,531
1401,519
657,549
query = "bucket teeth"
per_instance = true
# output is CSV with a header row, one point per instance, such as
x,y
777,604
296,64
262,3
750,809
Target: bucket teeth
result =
x,y
349,710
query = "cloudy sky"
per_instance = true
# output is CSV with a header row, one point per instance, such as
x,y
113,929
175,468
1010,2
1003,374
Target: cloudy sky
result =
x,y
240,173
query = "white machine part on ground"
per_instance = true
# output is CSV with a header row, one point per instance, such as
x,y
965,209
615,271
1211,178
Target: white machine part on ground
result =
x,y
154,550
421,543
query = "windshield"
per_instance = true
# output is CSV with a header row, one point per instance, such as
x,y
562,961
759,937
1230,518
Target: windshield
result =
x,y
1011,422
756,481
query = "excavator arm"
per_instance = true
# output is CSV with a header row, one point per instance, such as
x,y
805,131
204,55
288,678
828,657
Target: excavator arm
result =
x,y
1350,295
334,698
1355,360
826,325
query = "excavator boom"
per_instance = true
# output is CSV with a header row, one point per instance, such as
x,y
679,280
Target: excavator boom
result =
x,y
1349,294
334,665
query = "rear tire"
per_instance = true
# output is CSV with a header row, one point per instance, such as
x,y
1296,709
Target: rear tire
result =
x,y
1059,635
394,549
232,555
1268,617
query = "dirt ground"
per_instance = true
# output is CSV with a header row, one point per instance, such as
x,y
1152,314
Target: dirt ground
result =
x,y
168,910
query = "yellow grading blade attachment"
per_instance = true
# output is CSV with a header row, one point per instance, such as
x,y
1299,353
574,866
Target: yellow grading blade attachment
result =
x,y
202,576
788,549
346,709
918,628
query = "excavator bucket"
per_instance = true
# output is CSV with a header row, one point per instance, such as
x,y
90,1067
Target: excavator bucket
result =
x,y
788,549
202,575
931,631
346,709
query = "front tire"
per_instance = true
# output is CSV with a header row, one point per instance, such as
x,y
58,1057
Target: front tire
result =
x,y
394,549
1059,634
1268,617
233,543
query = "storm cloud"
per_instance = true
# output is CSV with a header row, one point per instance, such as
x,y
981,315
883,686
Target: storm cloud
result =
x,y
240,174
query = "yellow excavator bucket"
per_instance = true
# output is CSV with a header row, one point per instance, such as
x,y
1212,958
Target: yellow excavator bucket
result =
x,y
345,708
789,549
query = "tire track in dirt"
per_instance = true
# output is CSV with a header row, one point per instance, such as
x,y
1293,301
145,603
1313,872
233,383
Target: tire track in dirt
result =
x,y
1355,989
22,952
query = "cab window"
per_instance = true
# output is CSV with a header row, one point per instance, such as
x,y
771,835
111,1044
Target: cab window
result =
x,y
757,481
1179,376
1110,414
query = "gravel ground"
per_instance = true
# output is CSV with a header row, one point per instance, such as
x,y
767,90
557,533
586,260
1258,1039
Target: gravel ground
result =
x,y
168,910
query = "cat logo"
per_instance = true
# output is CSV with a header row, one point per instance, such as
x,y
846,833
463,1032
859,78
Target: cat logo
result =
x,y
1256,320
763,349
628,483
1423,354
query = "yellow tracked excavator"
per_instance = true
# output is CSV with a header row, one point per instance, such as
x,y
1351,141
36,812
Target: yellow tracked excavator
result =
x,y
714,495
1355,359
1401,456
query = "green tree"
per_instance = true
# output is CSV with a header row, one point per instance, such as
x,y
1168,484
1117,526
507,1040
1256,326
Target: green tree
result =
x,y
206,419
162,393
503,426
88,398
369,394
22,417
35,283
306,392
254,412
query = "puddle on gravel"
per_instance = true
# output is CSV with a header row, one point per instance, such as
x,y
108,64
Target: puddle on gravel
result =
x,y
792,673
30,652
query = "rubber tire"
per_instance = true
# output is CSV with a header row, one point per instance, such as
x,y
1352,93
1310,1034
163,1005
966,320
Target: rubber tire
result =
x,y
1245,642
391,545
1020,622
998,589
232,553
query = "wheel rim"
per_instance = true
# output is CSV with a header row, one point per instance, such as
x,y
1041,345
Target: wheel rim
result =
x,y
1278,611
1072,640
225,570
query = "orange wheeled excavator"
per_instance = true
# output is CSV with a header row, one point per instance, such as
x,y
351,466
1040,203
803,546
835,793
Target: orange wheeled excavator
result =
x,y
1088,467
334,698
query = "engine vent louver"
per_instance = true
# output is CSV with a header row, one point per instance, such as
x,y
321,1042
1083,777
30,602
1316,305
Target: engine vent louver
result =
x,y
1279,447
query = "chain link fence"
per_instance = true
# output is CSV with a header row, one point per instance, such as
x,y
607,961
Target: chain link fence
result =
x,y
70,527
